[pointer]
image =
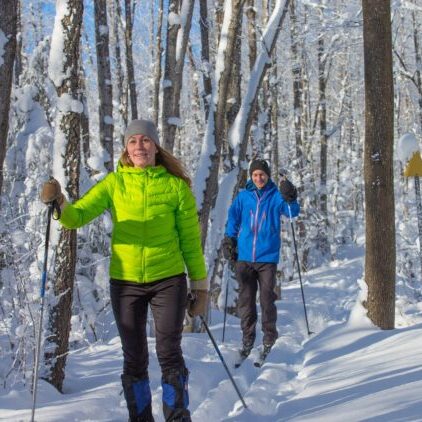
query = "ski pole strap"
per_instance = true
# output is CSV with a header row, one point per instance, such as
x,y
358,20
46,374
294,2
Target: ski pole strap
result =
x,y
290,212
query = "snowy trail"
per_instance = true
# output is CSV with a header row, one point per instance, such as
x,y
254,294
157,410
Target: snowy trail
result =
x,y
264,389
348,367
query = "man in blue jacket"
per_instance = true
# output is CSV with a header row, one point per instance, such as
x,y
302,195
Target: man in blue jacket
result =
x,y
252,239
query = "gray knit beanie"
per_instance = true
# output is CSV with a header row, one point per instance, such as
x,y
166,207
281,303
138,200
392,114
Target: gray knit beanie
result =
x,y
142,127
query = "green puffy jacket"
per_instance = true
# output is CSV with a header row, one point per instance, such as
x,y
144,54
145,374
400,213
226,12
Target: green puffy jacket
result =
x,y
155,223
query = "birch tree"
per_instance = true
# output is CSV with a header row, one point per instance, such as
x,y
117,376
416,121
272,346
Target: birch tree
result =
x,y
216,121
380,262
64,72
8,22
206,182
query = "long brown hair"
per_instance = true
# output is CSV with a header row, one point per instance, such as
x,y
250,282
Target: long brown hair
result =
x,y
164,158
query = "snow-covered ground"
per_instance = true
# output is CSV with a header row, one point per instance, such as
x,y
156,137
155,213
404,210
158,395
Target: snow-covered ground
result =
x,y
347,370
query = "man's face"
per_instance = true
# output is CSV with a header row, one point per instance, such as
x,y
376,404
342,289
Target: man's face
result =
x,y
259,178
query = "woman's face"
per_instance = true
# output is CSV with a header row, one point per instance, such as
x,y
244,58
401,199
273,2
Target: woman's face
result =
x,y
141,150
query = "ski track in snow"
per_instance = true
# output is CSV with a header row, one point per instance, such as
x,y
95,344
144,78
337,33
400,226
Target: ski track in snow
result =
x,y
281,377
347,367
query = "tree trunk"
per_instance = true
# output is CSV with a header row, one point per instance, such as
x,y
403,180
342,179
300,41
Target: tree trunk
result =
x,y
18,57
252,52
8,22
157,65
129,60
380,256
85,138
177,39
217,124
121,86
67,149
105,109
418,60
234,98
251,96
322,238
205,55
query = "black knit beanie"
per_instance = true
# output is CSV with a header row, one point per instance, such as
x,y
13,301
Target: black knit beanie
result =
x,y
259,165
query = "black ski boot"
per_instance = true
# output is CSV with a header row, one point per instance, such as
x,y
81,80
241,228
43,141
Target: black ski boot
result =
x,y
265,351
244,352
246,349
138,398
175,395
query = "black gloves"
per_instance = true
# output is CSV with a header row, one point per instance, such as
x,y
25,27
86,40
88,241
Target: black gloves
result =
x,y
230,248
288,191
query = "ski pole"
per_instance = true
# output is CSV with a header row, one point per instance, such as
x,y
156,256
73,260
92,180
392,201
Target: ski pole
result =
x,y
222,360
298,270
52,206
225,300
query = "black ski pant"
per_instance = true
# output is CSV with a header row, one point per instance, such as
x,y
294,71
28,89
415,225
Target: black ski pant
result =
x,y
250,275
167,299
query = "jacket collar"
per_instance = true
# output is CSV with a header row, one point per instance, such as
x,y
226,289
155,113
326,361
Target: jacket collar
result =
x,y
147,171
251,187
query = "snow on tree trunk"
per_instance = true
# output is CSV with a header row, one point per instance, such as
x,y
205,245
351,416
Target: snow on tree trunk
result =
x,y
19,47
178,28
64,72
380,254
8,22
105,106
207,190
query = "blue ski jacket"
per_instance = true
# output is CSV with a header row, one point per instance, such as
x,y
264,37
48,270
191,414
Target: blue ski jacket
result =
x,y
255,221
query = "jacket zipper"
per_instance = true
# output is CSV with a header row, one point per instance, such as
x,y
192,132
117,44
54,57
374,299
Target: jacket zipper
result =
x,y
143,234
255,236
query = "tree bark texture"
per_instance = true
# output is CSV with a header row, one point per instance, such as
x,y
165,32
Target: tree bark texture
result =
x,y
129,60
177,39
157,65
380,256
69,122
105,109
205,55
322,243
121,92
252,104
211,183
8,23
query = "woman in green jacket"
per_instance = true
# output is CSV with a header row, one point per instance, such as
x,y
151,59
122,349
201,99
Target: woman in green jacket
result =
x,y
155,239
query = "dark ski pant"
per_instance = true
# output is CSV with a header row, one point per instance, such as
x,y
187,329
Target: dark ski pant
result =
x,y
250,276
167,299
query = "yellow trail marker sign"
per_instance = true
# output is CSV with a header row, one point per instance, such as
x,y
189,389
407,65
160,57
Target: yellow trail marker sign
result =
x,y
414,166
